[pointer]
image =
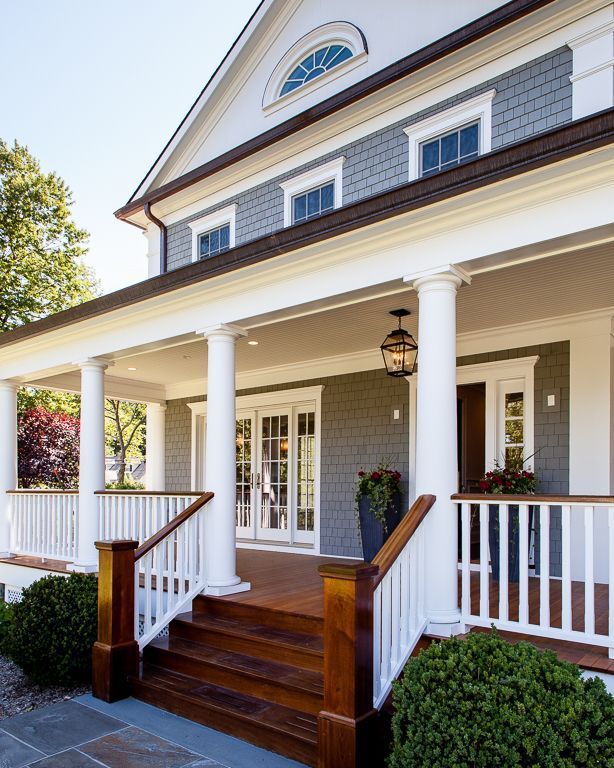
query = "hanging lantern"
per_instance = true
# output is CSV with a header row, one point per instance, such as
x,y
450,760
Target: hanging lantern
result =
x,y
399,349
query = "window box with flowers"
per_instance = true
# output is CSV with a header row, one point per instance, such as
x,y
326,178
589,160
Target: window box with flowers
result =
x,y
507,480
378,506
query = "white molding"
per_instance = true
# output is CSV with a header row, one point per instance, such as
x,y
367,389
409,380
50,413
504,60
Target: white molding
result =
x,y
337,32
477,108
227,215
591,35
445,269
315,177
593,66
265,399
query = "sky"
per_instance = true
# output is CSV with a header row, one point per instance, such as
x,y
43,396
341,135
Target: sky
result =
x,y
95,88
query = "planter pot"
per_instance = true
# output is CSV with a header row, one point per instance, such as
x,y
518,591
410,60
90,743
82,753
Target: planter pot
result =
x,y
371,531
513,540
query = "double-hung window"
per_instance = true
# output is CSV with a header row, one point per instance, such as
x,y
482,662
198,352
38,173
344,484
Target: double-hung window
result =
x,y
313,193
450,149
313,203
213,233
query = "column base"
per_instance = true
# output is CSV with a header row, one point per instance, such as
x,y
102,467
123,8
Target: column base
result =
x,y
7,555
82,567
445,630
242,586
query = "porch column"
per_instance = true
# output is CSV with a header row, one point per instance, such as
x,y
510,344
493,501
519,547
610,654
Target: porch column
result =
x,y
8,459
436,440
155,467
91,461
220,461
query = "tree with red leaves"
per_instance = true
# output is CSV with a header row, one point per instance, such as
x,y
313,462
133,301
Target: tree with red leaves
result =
x,y
48,449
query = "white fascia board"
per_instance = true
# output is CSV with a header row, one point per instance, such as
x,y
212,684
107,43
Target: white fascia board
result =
x,y
114,386
459,72
544,204
294,396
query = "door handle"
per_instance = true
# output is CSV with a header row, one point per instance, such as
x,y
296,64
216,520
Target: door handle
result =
x,y
258,480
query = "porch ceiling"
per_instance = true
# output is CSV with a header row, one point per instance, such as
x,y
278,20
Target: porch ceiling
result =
x,y
573,282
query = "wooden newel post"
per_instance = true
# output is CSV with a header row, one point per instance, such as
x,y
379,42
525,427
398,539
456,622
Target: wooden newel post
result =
x,y
115,655
346,724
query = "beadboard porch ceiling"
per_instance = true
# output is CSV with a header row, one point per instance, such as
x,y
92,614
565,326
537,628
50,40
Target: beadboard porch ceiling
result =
x,y
568,283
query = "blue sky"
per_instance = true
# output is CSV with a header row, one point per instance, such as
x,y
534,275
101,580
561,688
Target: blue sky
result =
x,y
95,88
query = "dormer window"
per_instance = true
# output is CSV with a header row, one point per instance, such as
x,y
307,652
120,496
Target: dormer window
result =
x,y
213,233
319,57
316,64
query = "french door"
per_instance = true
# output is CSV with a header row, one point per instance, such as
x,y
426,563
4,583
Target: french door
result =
x,y
276,474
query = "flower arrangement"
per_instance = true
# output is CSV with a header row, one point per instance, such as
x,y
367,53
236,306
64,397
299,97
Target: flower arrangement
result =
x,y
380,485
508,479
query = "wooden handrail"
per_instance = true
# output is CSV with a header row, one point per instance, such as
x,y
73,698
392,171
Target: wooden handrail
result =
x,y
171,526
127,492
511,498
401,536
45,490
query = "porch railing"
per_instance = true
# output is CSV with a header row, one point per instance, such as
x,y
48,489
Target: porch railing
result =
x,y
541,565
44,523
139,515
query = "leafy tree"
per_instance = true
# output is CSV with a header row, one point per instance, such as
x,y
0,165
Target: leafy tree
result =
x,y
48,449
125,432
41,271
29,398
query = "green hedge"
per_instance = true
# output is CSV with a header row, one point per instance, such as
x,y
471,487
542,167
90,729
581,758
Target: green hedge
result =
x,y
6,613
52,630
483,702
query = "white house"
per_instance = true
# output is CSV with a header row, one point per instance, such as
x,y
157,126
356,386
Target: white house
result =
x,y
347,160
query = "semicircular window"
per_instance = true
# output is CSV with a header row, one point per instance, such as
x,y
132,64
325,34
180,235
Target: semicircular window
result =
x,y
317,63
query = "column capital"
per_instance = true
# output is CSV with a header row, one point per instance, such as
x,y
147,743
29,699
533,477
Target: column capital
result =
x,y
10,385
102,363
156,406
222,331
445,273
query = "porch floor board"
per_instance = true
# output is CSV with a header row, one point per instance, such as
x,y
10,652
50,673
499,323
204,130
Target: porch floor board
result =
x,y
57,566
590,656
282,581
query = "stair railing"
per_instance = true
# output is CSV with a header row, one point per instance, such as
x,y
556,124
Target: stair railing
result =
x,y
373,617
160,578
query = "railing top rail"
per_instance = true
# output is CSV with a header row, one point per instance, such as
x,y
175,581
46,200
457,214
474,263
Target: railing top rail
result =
x,y
514,498
63,491
171,526
402,535
126,492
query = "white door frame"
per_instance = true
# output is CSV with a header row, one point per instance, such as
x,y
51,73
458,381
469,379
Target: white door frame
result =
x,y
494,375
287,397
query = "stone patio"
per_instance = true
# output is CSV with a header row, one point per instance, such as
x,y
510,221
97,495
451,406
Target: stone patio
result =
x,y
85,732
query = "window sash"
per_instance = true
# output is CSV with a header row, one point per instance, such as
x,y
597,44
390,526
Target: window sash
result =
x,y
313,202
450,149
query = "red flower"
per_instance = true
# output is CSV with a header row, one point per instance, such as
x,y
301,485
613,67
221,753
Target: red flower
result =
x,y
483,485
375,476
361,473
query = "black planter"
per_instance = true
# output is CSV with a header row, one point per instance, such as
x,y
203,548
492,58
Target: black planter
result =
x,y
371,531
513,540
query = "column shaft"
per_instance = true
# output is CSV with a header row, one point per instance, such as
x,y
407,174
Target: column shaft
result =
x,y
8,459
155,471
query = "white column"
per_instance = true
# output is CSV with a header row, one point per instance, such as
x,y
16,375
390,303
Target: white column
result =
x,y
593,66
155,467
436,440
91,461
220,461
8,459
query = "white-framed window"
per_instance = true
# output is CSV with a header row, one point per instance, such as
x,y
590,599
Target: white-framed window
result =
x,y
214,233
317,58
448,138
314,192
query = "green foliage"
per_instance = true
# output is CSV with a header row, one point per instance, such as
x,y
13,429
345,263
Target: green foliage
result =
x,y
125,432
483,702
29,398
41,271
379,485
53,629
127,485
6,614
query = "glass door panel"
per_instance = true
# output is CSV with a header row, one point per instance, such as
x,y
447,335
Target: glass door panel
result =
x,y
272,481
245,476
304,520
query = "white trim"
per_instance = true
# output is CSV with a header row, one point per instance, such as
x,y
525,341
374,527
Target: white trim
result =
x,y
608,64
227,215
477,108
337,32
315,177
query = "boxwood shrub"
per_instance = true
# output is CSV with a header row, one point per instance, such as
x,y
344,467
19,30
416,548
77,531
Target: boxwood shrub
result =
x,y
483,702
6,612
53,628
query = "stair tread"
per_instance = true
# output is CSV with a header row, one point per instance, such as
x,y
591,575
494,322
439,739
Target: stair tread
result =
x,y
302,640
284,674
276,717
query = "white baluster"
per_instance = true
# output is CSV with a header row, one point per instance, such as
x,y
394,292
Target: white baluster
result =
x,y
395,578
544,565
566,568
405,592
589,572
523,560
484,575
386,620
503,562
611,581
147,565
465,561
377,642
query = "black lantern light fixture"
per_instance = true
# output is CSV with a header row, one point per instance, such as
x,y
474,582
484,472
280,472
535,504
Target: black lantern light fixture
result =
x,y
399,349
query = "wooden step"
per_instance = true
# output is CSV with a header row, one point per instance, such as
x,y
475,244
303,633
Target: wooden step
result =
x,y
271,726
254,614
297,649
291,686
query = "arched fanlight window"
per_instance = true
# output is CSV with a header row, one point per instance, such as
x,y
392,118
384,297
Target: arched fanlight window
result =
x,y
316,64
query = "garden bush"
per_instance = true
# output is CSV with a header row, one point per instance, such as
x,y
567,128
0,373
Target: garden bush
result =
x,y
6,612
53,628
483,702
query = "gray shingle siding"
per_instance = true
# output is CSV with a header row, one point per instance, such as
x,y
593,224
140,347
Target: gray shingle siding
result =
x,y
531,98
